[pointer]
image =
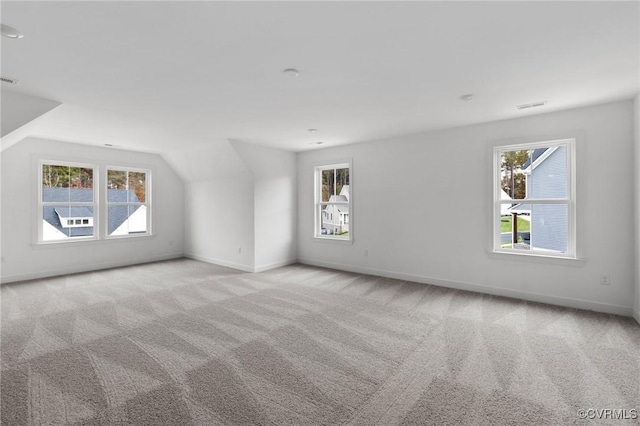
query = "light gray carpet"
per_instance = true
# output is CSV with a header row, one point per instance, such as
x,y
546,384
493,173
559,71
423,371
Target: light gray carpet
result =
x,y
187,343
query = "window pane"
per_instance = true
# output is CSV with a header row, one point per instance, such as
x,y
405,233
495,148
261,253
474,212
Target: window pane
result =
x,y
81,177
137,187
542,227
328,184
67,184
537,173
548,178
513,180
117,186
335,182
127,219
55,183
64,222
550,227
334,221
342,182
523,230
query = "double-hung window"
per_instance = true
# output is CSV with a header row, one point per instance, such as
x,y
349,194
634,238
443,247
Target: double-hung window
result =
x,y
534,199
67,202
71,208
333,202
128,210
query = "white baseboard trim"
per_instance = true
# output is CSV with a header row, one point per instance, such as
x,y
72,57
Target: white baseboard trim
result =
x,y
275,265
220,262
239,266
636,315
479,288
85,268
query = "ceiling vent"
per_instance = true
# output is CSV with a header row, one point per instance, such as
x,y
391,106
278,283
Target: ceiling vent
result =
x,y
531,105
9,80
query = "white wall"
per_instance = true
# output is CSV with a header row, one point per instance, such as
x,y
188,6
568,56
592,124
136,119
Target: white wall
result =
x,y
274,176
17,109
24,259
21,116
422,209
219,219
241,204
219,204
636,117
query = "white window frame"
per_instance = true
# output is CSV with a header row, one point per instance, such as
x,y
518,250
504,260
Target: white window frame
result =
x,y
569,200
318,204
147,202
42,204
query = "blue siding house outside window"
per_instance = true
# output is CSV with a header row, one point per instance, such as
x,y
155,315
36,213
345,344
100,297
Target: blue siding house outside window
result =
x,y
549,222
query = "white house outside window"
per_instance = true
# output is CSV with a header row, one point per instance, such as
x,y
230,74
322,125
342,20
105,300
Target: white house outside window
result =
x,y
534,199
333,202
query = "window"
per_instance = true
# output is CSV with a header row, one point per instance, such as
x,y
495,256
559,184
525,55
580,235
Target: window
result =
x,y
333,202
534,199
67,202
69,208
128,210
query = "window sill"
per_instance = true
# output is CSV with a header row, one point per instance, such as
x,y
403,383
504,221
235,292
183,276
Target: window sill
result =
x,y
537,258
86,242
332,239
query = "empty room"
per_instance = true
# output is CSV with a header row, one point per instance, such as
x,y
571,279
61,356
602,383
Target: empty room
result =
x,y
320,213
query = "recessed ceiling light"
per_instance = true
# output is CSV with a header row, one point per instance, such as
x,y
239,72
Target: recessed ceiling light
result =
x,y
467,97
291,72
10,32
312,130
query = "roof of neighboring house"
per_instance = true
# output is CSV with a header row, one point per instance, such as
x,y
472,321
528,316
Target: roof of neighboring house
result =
x,y
121,196
504,208
65,195
338,199
49,214
117,214
534,156
74,211
345,191
520,208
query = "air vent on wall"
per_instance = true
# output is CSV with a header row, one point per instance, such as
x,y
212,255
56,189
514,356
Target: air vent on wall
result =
x,y
531,105
9,80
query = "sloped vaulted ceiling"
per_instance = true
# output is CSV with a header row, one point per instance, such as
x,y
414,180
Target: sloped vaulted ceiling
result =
x,y
165,76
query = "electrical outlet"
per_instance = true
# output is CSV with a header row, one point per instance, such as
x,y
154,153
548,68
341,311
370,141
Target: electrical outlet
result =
x,y
365,253
239,250
605,280
2,259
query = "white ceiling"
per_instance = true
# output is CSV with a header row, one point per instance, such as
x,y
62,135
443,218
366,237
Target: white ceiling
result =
x,y
158,76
